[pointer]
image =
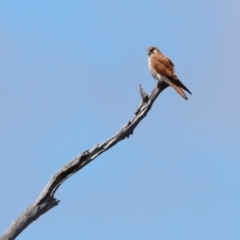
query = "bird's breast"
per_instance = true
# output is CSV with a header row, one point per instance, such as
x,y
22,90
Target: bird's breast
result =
x,y
151,69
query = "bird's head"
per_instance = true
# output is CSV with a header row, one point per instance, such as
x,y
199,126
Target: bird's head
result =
x,y
152,50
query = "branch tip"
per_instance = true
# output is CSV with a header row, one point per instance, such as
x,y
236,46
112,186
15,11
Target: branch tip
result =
x,y
144,95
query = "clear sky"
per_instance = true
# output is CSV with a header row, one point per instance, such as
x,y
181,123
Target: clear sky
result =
x,y
69,75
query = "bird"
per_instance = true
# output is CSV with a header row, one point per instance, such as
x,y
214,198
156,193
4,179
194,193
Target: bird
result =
x,y
162,69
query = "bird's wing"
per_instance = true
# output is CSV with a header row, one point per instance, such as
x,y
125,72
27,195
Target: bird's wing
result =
x,y
170,61
165,67
177,82
162,65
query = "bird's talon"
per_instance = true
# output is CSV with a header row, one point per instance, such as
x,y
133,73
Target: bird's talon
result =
x,y
159,84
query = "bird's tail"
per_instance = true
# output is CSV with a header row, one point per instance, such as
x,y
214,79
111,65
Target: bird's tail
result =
x,y
178,90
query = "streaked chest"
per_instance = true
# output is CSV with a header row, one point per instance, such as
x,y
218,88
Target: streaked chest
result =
x,y
153,71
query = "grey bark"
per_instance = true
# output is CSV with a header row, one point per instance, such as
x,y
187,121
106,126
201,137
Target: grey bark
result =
x,y
46,200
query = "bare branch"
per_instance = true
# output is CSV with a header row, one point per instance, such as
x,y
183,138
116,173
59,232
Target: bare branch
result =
x,y
145,98
46,200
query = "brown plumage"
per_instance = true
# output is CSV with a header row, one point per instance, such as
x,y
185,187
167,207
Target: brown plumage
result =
x,y
162,69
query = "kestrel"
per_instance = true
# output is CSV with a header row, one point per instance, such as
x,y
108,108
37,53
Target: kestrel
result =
x,y
162,69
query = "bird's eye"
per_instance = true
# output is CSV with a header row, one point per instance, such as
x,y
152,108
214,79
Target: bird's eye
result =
x,y
150,52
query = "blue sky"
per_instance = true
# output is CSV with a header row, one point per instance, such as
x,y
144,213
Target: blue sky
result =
x,y
69,75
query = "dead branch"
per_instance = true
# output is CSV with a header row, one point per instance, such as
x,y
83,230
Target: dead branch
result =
x,y
46,200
